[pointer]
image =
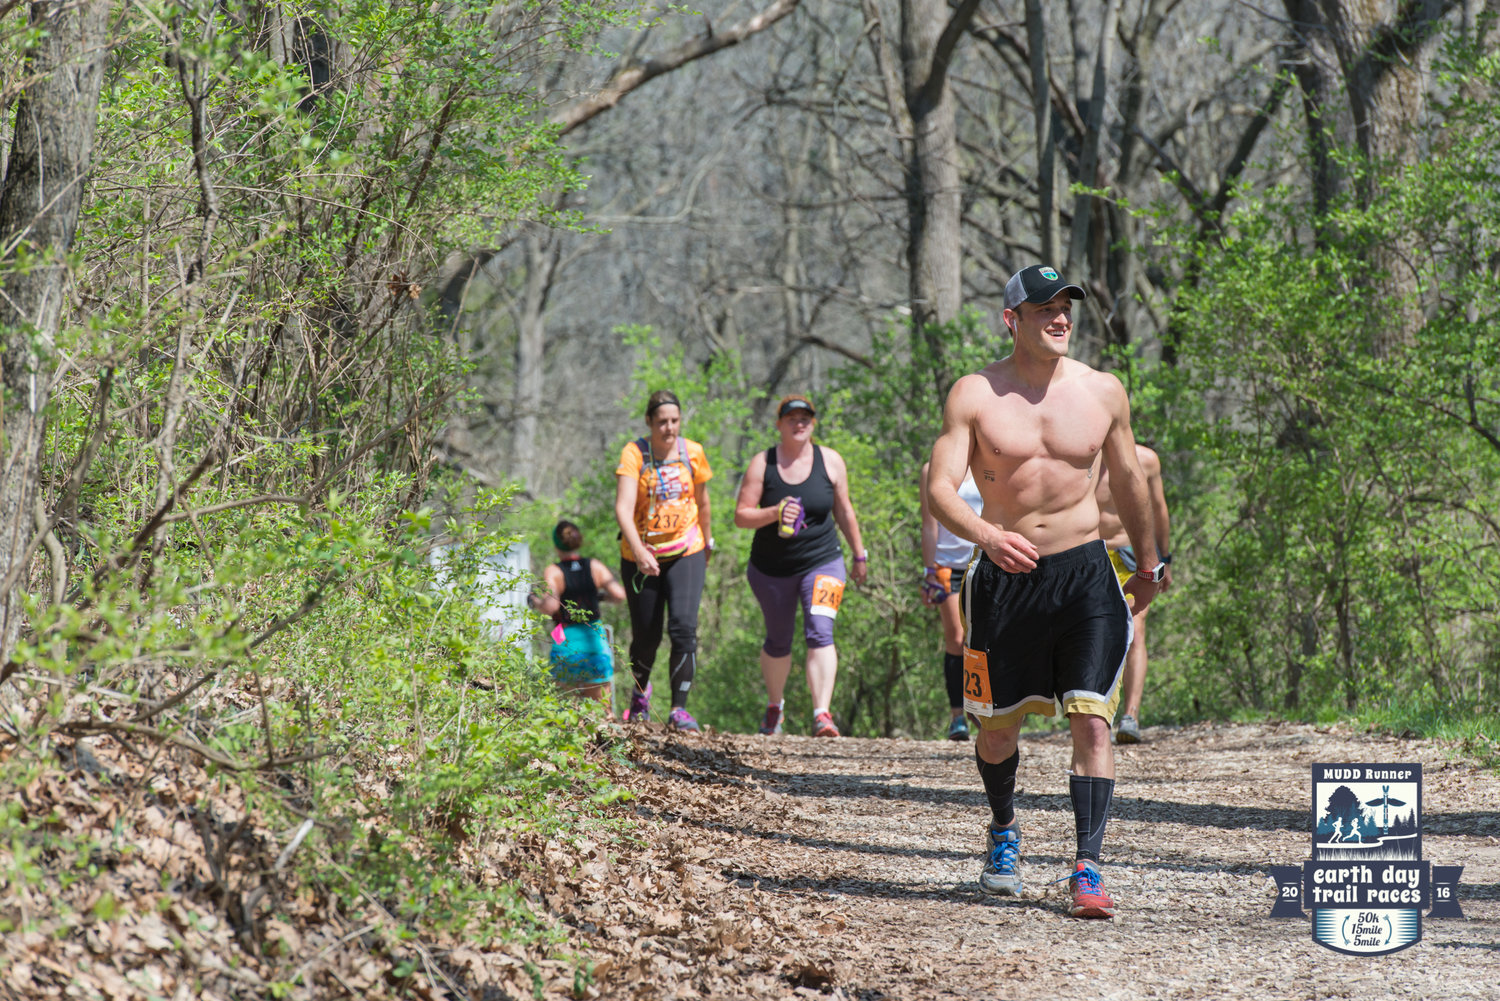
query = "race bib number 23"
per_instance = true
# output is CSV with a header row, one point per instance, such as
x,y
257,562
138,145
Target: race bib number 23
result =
x,y
977,697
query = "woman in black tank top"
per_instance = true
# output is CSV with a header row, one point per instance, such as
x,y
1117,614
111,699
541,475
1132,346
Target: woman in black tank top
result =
x,y
817,541
795,495
581,661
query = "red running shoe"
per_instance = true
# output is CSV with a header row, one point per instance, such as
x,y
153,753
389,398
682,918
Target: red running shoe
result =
x,y
1089,898
823,725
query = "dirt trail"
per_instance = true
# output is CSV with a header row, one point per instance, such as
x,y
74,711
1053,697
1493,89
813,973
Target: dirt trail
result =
x,y
849,867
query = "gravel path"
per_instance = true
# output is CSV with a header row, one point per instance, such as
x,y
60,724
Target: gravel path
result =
x,y
864,853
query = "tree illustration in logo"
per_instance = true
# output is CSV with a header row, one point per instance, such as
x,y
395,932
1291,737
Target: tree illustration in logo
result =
x,y
1344,817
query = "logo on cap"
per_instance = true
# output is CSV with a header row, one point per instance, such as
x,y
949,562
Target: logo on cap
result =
x,y
1048,274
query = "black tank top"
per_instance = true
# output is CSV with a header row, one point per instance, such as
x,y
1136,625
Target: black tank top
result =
x,y
817,543
580,596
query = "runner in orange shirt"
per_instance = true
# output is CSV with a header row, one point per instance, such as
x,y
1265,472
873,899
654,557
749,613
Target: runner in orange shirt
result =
x,y
661,504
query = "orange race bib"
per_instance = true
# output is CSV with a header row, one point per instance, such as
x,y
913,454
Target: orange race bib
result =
x,y
671,507
671,519
828,591
977,697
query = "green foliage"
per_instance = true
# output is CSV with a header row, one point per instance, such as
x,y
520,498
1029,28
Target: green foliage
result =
x,y
251,386
1339,544
409,736
1472,731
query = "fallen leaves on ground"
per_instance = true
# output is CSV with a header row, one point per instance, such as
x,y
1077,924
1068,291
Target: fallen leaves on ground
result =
x,y
745,867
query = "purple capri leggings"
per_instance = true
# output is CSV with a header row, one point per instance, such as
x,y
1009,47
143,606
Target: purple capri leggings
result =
x,y
778,597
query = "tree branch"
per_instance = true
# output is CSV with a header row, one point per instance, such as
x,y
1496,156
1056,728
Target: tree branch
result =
x,y
999,38
890,79
241,502
820,342
942,54
86,728
632,75
1246,145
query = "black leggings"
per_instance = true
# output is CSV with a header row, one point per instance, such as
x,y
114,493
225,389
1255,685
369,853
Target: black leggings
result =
x,y
672,595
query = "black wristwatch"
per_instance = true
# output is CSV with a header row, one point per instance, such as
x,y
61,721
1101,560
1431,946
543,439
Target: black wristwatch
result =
x,y
1155,574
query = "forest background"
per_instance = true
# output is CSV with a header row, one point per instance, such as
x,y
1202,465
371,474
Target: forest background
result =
x,y
296,295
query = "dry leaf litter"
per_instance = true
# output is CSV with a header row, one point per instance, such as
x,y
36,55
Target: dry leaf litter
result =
x,y
765,868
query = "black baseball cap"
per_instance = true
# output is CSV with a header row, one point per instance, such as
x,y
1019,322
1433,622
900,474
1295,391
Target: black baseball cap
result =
x,y
790,403
1038,283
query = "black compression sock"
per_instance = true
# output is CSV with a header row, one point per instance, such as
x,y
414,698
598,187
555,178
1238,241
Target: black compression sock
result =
x,y
1000,786
953,677
1091,796
683,672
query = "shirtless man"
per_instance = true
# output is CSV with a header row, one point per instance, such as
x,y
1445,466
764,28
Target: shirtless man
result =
x,y
1112,530
1045,617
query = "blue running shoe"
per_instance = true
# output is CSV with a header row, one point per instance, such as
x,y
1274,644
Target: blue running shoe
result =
x,y
958,729
1001,874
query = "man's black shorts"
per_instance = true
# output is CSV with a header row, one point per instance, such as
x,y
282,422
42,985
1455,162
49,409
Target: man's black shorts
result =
x,y
1055,636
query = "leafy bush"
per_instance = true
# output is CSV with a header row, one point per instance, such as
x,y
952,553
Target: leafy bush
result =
x,y
1340,549
243,438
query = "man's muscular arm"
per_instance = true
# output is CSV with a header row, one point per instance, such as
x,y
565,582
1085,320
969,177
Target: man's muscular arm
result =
x,y
1010,551
1127,484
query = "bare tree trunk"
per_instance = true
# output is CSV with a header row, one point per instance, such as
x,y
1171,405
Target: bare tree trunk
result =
x,y
1078,45
1088,158
196,81
934,251
1383,48
1046,138
39,206
793,297
1313,63
542,253
1122,271
1081,266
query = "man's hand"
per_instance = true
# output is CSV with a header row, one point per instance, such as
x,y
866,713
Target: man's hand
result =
x,y
1139,591
1012,552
